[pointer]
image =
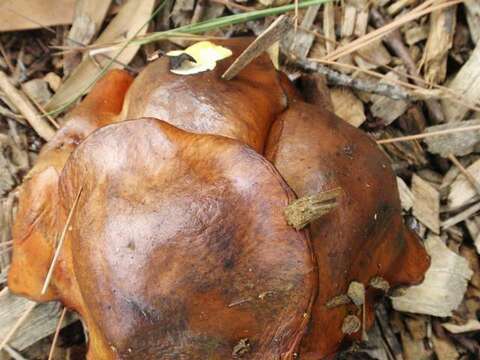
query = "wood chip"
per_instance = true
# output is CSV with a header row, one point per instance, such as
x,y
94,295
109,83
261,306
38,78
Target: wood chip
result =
x,y
361,23
461,216
465,83
455,143
444,286
473,18
426,204
386,108
182,12
329,26
440,40
372,56
398,6
461,191
347,106
414,349
53,80
37,89
41,322
298,42
348,20
444,348
406,196
473,226
417,326
415,34
470,325
38,123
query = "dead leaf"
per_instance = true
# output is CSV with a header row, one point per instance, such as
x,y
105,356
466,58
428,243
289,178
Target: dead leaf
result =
x,y
88,18
131,17
29,14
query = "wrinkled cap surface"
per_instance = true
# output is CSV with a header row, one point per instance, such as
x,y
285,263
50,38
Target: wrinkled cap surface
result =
x,y
181,247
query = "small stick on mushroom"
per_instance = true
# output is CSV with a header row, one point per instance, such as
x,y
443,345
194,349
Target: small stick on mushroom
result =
x,y
309,208
60,243
271,35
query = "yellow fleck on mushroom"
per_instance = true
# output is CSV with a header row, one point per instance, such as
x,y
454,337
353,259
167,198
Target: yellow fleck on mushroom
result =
x,y
205,55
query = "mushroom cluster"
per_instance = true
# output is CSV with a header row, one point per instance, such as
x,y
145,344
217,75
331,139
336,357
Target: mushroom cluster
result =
x,y
165,196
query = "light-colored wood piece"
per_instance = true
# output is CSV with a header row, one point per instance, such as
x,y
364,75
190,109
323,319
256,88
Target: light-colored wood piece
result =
x,y
40,323
347,106
406,195
426,204
329,26
440,40
33,14
444,285
473,18
26,108
461,191
465,83
348,20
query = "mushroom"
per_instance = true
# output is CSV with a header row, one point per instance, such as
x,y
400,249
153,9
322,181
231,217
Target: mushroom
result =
x,y
181,248
176,242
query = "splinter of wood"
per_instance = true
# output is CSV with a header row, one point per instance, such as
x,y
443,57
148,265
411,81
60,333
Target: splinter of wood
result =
x,y
271,35
303,211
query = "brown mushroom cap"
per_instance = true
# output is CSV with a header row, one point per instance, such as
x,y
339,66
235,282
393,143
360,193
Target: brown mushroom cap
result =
x,y
37,224
181,247
242,108
364,236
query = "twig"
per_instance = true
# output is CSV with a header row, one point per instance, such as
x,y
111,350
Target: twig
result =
x,y
57,332
465,214
303,211
395,42
272,34
26,109
337,78
13,353
419,11
40,107
17,324
419,92
60,244
429,134
233,5
470,178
